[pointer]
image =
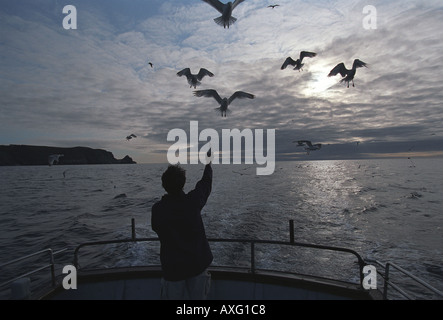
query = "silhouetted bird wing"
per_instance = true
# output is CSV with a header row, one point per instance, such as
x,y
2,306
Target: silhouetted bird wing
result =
x,y
359,64
339,68
307,54
299,142
208,93
288,61
303,142
216,4
219,5
236,3
204,72
185,72
240,95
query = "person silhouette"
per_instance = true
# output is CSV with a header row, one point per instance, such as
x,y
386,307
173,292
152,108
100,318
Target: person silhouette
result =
x,y
185,253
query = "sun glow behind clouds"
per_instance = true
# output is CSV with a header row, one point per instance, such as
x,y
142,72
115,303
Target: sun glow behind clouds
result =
x,y
320,84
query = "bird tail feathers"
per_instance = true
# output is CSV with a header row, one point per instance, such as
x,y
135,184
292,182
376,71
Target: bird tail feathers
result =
x,y
221,22
223,112
197,83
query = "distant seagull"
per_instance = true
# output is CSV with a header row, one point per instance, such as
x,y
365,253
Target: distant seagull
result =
x,y
226,19
348,75
298,63
194,79
225,102
308,145
54,158
131,136
273,6
240,173
150,63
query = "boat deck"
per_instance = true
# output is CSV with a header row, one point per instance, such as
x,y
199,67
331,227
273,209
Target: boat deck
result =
x,y
143,283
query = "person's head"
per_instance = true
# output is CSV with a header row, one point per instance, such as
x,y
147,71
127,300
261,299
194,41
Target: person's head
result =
x,y
173,179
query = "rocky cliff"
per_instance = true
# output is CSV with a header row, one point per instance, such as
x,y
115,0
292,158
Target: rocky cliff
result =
x,y
24,155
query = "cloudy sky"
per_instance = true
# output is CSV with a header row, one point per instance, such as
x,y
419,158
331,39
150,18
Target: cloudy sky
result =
x,y
92,86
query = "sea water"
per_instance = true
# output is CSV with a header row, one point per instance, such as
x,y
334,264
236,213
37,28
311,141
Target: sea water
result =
x,y
388,210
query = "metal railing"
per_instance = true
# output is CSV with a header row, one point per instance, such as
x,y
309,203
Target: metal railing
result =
x,y
50,265
388,283
251,242
252,267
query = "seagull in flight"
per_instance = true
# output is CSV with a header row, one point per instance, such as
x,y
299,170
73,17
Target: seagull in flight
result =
x,y
273,6
348,75
226,19
54,158
194,79
131,136
308,145
298,65
225,102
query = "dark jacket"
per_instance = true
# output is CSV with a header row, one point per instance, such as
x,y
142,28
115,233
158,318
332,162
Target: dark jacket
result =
x,y
184,249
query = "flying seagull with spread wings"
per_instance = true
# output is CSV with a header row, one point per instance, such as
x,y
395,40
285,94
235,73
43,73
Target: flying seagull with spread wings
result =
x,y
348,75
194,79
54,159
225,102
308,145
298,65
131,136
226,19
273,6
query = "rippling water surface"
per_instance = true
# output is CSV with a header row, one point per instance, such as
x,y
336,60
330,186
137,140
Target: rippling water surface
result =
x,y
389,210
